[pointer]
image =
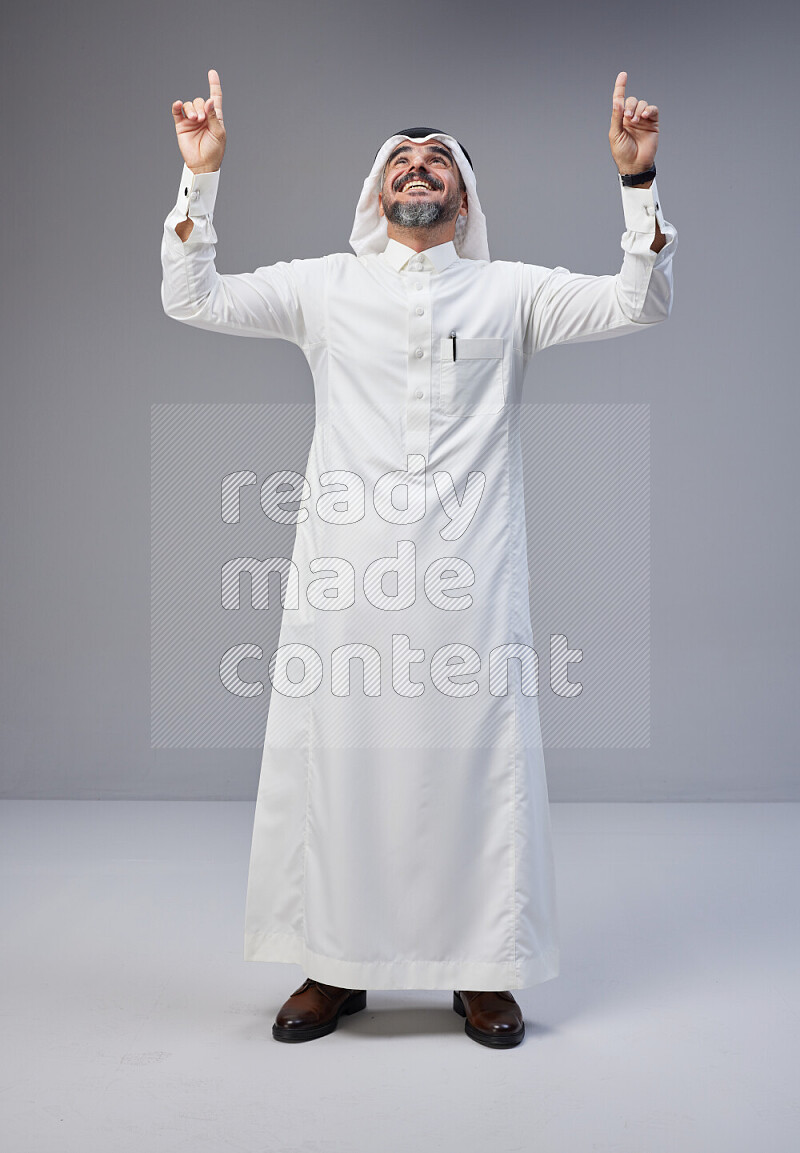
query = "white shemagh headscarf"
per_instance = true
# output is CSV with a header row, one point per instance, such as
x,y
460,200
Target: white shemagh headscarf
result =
x,y
369,227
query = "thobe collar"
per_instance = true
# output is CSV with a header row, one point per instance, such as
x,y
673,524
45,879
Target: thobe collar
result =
x,y
435,259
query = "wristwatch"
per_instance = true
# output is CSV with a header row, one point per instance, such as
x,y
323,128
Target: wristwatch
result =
x,y
631,179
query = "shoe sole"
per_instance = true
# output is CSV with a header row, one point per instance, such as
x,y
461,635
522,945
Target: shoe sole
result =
x,y
354,1003
494,1041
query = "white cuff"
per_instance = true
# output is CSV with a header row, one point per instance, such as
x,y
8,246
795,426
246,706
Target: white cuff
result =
x,y
197,193
641,206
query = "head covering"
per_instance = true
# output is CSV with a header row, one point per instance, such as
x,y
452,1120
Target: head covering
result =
x,y
369,227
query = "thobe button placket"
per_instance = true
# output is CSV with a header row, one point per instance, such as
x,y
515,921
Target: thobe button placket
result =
x,y
419,362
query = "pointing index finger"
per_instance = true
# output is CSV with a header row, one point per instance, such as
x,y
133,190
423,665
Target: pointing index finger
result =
x,y
215,89
619,87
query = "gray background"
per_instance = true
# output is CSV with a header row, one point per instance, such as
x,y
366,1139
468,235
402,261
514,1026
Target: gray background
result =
x,y
310,93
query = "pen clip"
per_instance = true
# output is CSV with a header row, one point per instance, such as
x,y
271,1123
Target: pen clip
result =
x,y
453,338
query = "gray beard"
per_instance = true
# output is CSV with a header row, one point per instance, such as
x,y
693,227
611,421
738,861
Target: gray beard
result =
x,y
423,213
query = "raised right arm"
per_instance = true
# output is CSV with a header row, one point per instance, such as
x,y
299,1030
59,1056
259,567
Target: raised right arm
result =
x,y
264,303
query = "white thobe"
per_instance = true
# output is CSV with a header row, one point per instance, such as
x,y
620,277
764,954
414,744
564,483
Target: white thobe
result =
x,y
402,833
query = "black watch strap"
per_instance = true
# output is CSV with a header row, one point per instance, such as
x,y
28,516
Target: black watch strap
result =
x,y
631,179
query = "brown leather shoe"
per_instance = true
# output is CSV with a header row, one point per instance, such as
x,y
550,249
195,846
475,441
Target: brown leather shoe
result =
x,y
314,1009
492,1018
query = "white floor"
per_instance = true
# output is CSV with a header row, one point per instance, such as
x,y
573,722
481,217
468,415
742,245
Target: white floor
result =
x,y
131,1024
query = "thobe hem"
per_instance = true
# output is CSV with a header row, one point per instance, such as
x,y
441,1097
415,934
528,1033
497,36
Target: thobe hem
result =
x,y
291,949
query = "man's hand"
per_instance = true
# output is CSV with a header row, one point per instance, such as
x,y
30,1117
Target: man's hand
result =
x,y
633,135
200,129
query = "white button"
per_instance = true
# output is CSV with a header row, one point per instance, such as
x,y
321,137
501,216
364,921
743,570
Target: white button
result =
x,y
196,194
418,352
419,394
416,267
418,285
420,310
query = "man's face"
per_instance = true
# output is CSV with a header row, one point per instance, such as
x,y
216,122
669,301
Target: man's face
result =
x,y
422,186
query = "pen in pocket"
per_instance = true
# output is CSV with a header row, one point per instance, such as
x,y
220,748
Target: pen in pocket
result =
x,y
453,338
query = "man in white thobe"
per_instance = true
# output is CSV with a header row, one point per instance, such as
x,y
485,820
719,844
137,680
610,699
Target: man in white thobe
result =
x,y
401,835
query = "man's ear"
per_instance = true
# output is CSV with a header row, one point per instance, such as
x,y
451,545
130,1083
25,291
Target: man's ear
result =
x,y
464,209
380,205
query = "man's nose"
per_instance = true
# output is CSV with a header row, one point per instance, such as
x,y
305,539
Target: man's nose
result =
x,y
417,159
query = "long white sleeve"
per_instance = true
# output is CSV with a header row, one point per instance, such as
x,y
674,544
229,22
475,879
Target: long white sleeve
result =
x,y
566,307
263,303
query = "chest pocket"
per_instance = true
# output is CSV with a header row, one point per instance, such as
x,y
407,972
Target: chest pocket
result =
x,y
471,384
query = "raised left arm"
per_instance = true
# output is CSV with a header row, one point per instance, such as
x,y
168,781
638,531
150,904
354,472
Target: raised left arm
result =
x,y
633,137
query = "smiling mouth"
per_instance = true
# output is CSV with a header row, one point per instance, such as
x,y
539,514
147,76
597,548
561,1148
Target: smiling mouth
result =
x,y
418,186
